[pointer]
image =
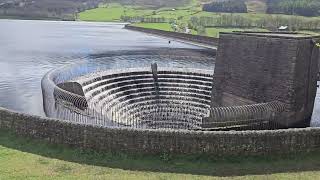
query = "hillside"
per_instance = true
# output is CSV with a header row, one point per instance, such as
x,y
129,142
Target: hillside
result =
x,y
253,6
66,9
152,3
56,9
256,6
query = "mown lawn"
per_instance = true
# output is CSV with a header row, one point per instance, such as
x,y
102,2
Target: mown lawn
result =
x,y
112,12
160,26
23,158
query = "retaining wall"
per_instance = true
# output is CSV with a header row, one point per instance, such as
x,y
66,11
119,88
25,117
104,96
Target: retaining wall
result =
x,y
181,36
160,141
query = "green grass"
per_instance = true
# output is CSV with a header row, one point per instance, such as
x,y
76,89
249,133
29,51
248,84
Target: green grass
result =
x,y
214,32
22,158
160,26
112,12
256,6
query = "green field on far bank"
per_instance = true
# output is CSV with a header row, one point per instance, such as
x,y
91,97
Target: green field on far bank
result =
x,y
160,26
23,158
165,18
111,13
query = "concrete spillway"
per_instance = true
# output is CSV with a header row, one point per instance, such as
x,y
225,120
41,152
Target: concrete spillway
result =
x,y
177,98
149,97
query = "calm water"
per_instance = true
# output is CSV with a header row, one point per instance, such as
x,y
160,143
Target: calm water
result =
x,y
29,49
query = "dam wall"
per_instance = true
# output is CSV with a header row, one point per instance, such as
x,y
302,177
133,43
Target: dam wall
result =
x,y
211,41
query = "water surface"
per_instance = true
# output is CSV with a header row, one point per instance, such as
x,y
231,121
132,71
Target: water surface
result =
x,y
29,49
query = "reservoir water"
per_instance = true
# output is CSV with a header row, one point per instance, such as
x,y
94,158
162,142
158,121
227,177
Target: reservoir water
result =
x,y
29,49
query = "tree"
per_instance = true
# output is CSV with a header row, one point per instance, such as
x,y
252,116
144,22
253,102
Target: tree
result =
x,y
231,6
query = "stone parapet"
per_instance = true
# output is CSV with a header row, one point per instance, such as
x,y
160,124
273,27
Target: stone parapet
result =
x,y
157,142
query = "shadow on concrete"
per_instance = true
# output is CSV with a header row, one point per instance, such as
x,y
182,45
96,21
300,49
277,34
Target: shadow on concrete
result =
x,y
195,165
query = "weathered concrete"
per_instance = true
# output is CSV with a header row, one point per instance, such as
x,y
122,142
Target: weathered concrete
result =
x,y
71,92
72,87
264,67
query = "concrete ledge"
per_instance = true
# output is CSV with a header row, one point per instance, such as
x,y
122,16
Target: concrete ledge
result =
x,y
223,143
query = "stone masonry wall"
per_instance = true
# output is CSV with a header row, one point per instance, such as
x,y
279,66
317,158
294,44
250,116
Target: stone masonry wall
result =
x,y
257,68
160,141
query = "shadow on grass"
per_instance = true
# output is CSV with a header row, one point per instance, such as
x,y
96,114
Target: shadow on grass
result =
x,y
196,165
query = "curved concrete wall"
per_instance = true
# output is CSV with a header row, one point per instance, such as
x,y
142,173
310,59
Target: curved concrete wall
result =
x,y
159,141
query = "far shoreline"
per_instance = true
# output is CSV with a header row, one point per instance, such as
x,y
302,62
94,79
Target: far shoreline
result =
x,y
30,18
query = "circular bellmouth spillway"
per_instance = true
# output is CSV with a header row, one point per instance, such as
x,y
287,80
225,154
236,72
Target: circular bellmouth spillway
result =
x,y
150,96
171,98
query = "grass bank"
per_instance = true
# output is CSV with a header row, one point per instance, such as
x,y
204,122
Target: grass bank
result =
x,y
112,13
22,158
159,26
214,32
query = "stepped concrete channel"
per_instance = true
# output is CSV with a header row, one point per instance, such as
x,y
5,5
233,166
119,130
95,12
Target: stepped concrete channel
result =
x,y
177,98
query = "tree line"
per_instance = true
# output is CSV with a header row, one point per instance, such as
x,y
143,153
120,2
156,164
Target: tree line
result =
x,y
294,7
270,22
133,19
230,6
62,9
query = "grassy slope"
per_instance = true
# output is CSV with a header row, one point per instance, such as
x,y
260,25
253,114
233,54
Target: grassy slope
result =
x,y
256,6
113,12
22,157
160,26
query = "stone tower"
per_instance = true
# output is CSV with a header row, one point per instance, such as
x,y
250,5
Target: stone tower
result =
x,y
256,67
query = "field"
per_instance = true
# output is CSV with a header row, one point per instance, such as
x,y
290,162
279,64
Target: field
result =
x,y
22,158
160,26
111,12
181,17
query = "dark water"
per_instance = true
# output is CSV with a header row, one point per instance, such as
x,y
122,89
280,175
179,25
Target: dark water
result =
x,y
29,49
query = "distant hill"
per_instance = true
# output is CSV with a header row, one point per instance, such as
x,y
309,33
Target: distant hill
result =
x,y
253,6
45,8
289,7
229,6
65,9
152,3
256,6
294,7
